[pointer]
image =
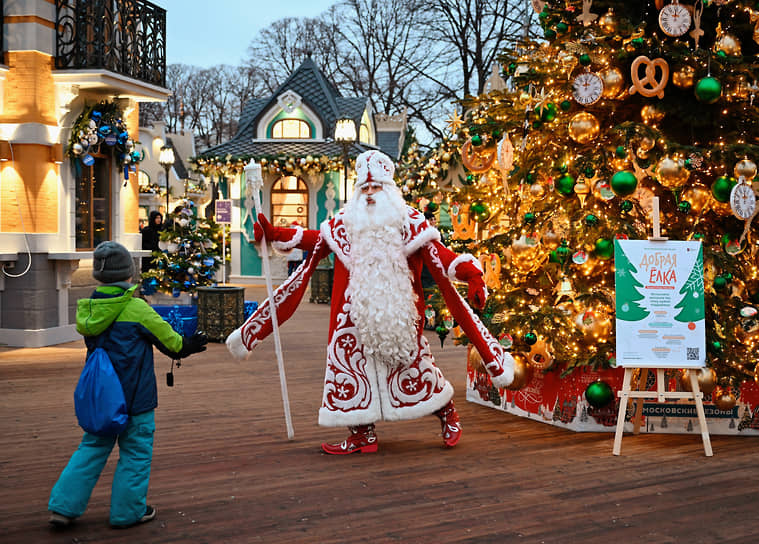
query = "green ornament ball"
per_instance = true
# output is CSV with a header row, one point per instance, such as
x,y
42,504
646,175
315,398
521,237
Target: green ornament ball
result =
x,y
530,338
708,89
698,236
626,206
722,187
566,105
529,218
480,210
591,220
469,179
624,183
716,346
537,124
476,139
604,249
684,207
549,112
565,185
719,283
599,394
585,59
549,34
589,171
621,152
561,27
432,207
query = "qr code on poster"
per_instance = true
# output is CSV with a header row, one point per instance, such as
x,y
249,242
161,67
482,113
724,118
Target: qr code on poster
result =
x,y
692,354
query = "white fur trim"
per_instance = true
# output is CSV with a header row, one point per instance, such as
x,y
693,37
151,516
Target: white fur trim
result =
x,y
464,257
235,345
507,377
284,248
430,234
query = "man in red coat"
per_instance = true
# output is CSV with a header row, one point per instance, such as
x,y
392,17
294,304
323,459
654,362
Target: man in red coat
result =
x,y
379,365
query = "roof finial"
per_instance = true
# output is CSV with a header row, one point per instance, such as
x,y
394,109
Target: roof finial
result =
x,y
309,52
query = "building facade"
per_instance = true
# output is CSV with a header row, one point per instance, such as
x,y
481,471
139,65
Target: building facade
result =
x,y
306,169
72,77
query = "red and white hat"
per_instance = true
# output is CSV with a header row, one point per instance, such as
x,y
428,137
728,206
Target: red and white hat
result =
x,y
374,167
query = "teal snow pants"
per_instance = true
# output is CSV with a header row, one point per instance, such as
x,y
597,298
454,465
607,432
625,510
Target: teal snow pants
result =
x,y
130,480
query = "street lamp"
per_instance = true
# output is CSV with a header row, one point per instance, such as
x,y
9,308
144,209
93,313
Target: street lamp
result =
x,y
166,159
345,134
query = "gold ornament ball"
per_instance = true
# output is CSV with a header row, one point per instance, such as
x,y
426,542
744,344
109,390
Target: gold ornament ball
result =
x,y
522,372
706,377
592,325
584,127
684,77
537,190
651,114
524,98
671,172
474,360
698,196
551,240
609,22
446,157
745,168
646,143
614,82
729,44
724,400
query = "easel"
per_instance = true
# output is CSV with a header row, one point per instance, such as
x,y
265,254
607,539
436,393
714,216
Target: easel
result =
x,y
660,394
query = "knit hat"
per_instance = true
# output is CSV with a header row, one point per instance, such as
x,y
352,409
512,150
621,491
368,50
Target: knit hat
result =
x,y
112,263
374,166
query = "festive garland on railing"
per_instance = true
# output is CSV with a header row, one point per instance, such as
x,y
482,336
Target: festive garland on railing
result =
x,y
100,124
288,165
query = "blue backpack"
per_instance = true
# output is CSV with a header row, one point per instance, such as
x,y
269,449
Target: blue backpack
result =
x,y
99,398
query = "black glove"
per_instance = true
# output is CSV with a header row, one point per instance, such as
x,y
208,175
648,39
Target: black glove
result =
x,y
193,344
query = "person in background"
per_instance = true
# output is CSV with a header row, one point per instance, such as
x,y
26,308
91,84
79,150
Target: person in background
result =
x,y
127,328
150,237
379,364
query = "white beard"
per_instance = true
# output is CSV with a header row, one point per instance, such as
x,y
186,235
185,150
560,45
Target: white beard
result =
x,y
380,290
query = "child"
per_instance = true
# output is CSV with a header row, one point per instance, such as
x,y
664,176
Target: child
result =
x,y
127,328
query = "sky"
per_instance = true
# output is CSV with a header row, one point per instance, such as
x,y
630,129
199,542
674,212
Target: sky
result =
x,y
215,32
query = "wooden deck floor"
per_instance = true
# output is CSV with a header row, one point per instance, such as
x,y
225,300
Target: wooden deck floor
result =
x,y
224,471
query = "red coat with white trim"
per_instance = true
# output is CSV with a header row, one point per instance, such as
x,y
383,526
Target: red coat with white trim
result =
x,y
356,390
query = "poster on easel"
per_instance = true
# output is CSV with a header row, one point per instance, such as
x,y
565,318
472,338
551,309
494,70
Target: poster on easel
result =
x,y
660,304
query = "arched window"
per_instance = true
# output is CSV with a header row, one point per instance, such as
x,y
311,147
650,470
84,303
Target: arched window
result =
x,y
292,129
289,202
363,132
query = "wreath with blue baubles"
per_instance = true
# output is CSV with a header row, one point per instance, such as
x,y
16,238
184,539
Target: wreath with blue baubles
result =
x,y
98,125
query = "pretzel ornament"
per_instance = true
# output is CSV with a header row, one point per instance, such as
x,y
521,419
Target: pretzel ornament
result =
x,y
491,267
475,160
463,227
649,86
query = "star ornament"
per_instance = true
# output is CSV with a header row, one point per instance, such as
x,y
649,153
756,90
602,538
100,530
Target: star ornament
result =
x,y
454,122
540,100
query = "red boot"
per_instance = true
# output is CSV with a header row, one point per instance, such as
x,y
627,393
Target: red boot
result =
x,y
449,420
362,440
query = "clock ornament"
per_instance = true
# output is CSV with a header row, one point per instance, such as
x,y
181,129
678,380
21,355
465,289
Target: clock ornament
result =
x,y
587,88
674,19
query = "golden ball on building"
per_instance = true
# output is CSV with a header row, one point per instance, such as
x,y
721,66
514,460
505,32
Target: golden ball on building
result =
x,y
584,127
745,168
671,172
728,44
684,77
522,372
614,82
651,114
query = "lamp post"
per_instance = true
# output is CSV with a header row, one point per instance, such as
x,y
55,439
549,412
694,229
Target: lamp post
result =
x,y
345,134
166,159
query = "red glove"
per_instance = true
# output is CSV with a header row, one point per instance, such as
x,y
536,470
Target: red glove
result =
x,y
263,228
478,293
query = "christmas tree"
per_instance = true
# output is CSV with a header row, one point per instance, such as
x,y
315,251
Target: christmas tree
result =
x,y
622,102
190,253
